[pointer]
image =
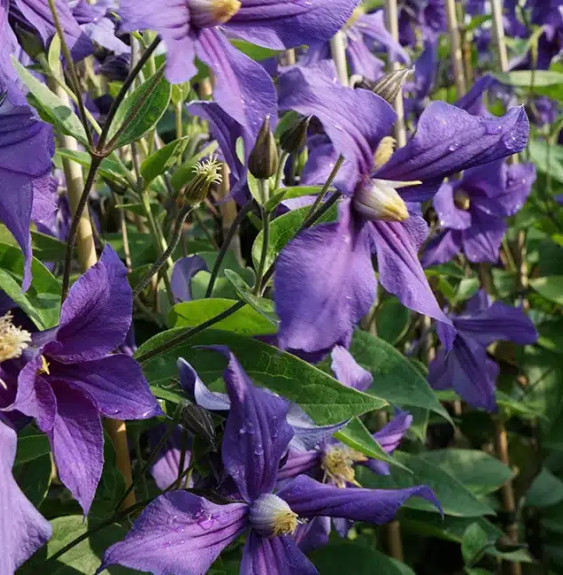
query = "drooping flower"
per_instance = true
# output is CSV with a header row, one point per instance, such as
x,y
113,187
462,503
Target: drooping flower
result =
x,y
467,368
324,282
26,193
183,533
198,27
471,211
72,379
23,530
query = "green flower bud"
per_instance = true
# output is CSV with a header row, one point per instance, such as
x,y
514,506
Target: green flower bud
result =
x,y
389,85
263,159
207,175
294,139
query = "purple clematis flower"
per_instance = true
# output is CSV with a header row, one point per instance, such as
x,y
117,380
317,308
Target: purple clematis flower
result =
x,y
26,188
23,529
182,273
183,533
71,379
467,368
427,17
324,282
471,211
198,27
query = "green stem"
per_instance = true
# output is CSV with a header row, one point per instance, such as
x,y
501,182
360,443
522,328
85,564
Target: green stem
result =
x,y
319,199
264,254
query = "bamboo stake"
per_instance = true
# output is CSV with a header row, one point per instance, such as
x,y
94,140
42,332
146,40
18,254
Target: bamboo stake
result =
x,y
457,56
338,53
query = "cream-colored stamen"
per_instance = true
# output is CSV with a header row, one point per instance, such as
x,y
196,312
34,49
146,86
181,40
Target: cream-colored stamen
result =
x,y
13,340
338,464
384,151
271,516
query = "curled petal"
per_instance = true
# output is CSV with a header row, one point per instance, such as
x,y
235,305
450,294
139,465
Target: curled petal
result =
x,y
198,391
184,270
347,370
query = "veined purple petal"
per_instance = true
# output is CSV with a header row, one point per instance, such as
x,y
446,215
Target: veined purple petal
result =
x,y
9,79
198,391
324,284
182,273
256,433
115,383
96,316
243,88
77,442
309,498
307,434
481,242
472,102
389,438
373,26
347,370
274,556
297,463
283,24
178,533
23,529
355,120
314,534
449,215
441,248
361,59
449,140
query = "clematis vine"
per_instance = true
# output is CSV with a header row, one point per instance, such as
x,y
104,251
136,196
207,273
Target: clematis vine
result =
x,y
467,368
324,282
183,533
71,378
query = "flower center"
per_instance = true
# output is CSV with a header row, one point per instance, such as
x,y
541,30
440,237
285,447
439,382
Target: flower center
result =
x,y
461,200
13,340
338,463
271,516
209,13
378,200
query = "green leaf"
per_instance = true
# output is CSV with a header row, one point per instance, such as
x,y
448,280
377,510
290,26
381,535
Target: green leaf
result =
x,y
255,52
324,398
49,106
31,445
292,192
41,302
545,491
47,248
394,377
393,320
282,229
473,544
34,478
357,436
478,471
550,287
164,159
548,158
351,557
263,306
109,168
246,320
141,110
454,497
545,82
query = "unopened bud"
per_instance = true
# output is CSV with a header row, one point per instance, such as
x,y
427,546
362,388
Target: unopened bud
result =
x,y
207,175
31,43
388,86
263,159
461,200
379,200
198,421
294,139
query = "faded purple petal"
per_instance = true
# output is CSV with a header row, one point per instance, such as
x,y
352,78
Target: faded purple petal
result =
x,y
178,533
166,467
183,272
324,284
23,529
347,370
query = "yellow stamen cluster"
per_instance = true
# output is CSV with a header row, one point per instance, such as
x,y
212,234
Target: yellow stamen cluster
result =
x,y
224,10
284,523
13,340
384,151
338,464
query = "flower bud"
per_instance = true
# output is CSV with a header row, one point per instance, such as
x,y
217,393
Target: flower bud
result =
x,y
209,13
379,200
388,86
294,139
263,159
197,420
207,174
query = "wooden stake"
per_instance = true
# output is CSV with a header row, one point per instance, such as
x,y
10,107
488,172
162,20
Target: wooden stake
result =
x,y
457,55
338,53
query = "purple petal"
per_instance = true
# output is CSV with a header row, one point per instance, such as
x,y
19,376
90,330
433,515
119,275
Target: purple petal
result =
x,y
299,462
481,242
314,534
115,383
172,22
355,120
472,102
449,214
23,530
449,140
283,24
198,391
373,26
347,370
520,178
183,272
361,59
96,316
324,284
178,533
442,248
165,469
389,438
309,498
400,271
77,442
256,433
242,88
307,434
9,79
274,556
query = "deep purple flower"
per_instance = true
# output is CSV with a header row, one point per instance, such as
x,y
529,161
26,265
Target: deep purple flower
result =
x,y
467,368
198,27
471,211
421,17
26,192
23,529
72,379
324,280
183,533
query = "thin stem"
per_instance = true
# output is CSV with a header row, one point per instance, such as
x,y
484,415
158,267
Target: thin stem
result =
x,y
71,72
94,165
225,247
182,462
264,253
189,332
175,240
281,167
319,199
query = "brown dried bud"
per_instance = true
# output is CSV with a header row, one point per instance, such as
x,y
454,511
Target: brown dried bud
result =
x,y
263,159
